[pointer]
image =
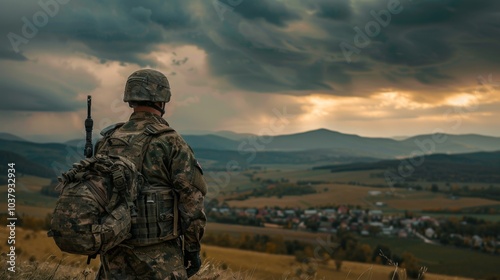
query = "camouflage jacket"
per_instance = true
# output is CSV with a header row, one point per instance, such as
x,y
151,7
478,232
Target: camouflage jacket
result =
x,y
170,162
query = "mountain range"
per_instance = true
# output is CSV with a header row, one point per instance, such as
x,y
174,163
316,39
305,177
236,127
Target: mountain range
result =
x,y
316,147
348,144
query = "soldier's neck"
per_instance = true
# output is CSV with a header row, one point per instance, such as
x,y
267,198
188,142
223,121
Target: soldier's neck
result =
x,y
147,109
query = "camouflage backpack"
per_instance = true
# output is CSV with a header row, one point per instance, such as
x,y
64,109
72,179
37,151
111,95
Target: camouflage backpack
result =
x,y
105,200
94,210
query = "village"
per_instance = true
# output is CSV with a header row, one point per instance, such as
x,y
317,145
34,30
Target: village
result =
x,y
468,232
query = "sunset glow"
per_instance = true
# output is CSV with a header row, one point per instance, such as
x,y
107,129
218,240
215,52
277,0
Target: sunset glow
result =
x,y
234,71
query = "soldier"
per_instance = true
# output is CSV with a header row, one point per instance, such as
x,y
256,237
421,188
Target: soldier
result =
x,y
168,164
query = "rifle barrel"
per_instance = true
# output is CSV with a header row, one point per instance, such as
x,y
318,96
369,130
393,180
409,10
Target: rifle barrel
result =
x,y
89,123
89,104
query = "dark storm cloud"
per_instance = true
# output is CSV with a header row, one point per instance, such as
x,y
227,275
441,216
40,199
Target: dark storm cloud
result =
x,y
11,55
414,48
431,75
258,45
332,9
35,88
273,12
431,32
459,12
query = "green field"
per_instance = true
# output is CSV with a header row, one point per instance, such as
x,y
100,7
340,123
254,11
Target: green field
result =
x,y
443,259
438,259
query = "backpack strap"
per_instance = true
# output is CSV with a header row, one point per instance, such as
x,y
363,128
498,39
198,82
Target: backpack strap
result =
x,y
137,148
141,141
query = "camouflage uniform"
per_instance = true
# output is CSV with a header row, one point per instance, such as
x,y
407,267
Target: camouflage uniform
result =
x,y
168,162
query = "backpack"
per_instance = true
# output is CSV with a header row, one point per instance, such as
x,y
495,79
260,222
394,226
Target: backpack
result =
x,y
94,210
105,200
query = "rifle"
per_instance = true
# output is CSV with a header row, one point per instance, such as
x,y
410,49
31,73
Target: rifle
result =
x,y
89,123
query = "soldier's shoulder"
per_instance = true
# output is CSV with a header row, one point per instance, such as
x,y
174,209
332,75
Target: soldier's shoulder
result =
x,y
166,134
159,129
109,129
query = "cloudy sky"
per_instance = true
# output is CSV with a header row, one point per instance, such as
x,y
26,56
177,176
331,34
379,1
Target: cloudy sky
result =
x,y
368,67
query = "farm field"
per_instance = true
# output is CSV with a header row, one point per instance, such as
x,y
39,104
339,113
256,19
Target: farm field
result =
x,y
240,264
335,194
29,200
437,259
367,177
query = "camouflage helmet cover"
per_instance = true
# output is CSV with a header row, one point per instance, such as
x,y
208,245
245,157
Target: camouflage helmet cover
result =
x,y
147,85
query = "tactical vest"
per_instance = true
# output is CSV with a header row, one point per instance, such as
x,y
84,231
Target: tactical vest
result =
x,y
157,217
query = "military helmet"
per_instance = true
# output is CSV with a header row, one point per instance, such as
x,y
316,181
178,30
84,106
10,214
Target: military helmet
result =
x,y
147,85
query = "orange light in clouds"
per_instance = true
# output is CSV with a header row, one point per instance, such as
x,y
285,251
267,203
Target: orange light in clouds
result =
x,y
463,99
398,100
317,106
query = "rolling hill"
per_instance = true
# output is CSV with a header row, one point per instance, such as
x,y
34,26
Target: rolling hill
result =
x,y
319,146
347,144
470,167
8,136
53,156
22,166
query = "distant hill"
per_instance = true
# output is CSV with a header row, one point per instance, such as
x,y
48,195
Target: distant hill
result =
x,y
58,157
22,166
309,147
55,157
212,142
312,157
348,144
471,167
459,143
80,143
8,136
233,135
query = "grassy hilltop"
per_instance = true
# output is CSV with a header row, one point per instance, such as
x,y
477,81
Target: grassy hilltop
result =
x,y
39,258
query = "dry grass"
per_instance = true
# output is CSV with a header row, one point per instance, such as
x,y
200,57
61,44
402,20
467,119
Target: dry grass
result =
x,y
277,267
418,201
47,262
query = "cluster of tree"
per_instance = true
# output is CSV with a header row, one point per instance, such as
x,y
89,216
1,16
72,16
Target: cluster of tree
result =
x,y
490,210
282,189
276,189
473,167
255,242
467,232
490,193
